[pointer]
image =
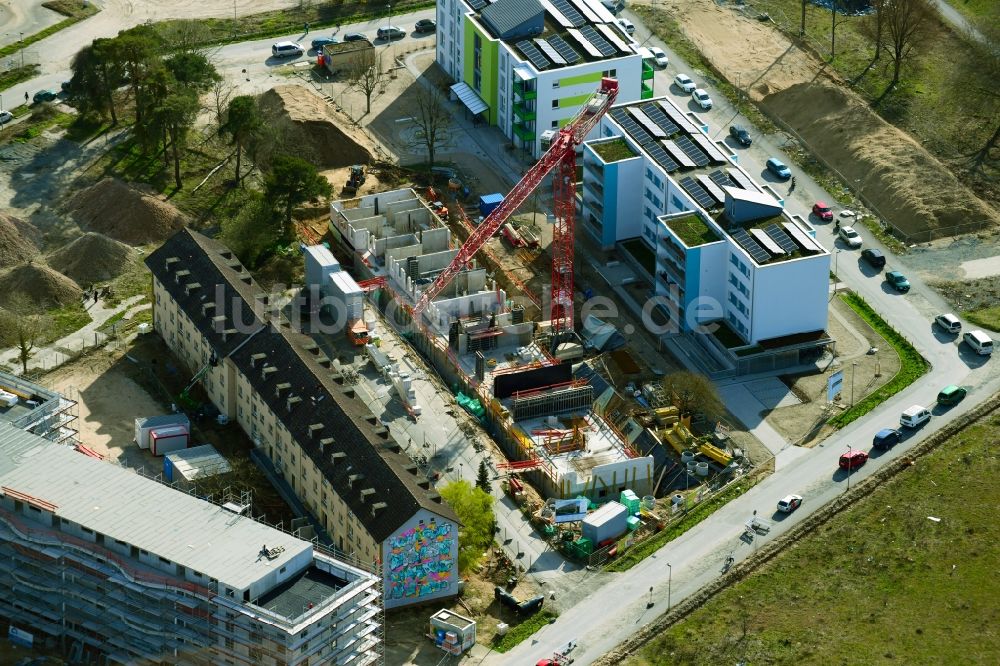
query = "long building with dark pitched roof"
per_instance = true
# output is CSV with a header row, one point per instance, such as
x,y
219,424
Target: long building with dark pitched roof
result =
x,y
276,383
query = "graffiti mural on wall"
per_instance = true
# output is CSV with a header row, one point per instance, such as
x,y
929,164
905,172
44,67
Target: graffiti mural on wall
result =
x,y
420,561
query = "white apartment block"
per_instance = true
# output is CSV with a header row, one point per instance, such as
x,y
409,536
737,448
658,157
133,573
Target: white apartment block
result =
x,y
527,66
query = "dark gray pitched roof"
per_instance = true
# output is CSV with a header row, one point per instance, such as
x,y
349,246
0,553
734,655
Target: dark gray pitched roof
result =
x,y
507,19
351,449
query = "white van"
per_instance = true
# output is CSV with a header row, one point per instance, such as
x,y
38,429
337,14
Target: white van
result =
x,y
914,416
980,342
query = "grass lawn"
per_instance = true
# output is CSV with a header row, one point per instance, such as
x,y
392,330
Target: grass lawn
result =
x,y
913,366
66,320
16,75
878,584
520,632
972,9
987,317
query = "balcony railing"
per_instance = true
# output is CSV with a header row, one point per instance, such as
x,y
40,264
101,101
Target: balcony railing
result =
x,y
647,91
523,132
524,93
647,71
523,112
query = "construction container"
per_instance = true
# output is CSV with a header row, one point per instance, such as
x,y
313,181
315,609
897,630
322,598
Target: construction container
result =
x,y
633,523
8,399
489,202
631,502
606,523
144,425
198,462
320,264
168,439
349,297
452,632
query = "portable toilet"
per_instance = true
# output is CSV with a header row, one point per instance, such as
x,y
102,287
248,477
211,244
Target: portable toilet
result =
x,y
489,202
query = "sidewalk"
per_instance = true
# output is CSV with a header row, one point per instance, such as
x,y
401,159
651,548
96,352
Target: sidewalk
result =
x,y
58,352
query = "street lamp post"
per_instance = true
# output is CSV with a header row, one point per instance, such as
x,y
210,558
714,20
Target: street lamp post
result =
x,y
670,580
849,465
854,367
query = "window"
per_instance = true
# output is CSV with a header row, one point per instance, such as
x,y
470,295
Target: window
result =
x,y
555,124
555,104
555,84
477,62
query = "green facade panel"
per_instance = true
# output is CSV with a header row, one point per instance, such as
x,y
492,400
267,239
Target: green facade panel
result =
x,y
592,77
575,100
488,61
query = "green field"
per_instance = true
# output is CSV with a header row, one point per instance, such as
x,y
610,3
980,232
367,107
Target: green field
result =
x,y
881,583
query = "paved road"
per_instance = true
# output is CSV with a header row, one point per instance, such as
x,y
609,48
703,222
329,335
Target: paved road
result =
x,y
613,612
24,17
957,19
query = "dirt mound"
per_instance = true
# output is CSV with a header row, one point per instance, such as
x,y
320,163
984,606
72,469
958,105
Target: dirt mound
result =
x,y
92,258
131,216
17,241
333,142
39,284
911,189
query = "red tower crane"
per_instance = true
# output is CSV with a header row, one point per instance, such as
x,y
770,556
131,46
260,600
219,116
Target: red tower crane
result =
x,y
560,157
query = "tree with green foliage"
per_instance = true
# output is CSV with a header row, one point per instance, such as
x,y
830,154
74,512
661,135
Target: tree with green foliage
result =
x,y
692,393
176,114
474,508
483,478
96,75
243,123
293,181
253,231
193,69
136,50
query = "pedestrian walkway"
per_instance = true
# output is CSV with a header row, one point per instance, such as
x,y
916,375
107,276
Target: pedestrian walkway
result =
x,y
65,348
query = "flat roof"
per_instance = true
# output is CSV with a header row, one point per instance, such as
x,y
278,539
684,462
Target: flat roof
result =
x,y
603,445
123,505
310,588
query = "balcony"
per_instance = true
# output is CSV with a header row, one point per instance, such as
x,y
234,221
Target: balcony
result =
x,y
522,90
647,71
647,91
523,112
523,133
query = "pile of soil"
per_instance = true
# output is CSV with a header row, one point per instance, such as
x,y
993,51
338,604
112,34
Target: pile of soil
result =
x,y
92,258
333,142
40,284
17,241
112,208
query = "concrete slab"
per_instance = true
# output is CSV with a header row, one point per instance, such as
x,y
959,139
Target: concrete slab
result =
x,y
981,268
747,408
772,393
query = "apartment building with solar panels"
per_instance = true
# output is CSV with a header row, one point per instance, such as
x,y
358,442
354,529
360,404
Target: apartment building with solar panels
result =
x,y
527,66
716,245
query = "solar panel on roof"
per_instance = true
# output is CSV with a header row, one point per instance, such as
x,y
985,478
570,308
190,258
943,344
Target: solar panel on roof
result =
x,y
679,155
569,11
720,179
766,242
660,155
563,48
783,240
753,248
694,152
646,123
677,117
805,242
712,188
533,54
697,192
657,116
609,34
549,52
587,11
477,4
591,50
599,42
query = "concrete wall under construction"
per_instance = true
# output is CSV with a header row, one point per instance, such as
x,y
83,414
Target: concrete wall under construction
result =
x,y
363,221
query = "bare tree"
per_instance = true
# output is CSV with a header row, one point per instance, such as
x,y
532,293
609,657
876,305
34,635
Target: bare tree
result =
x,y
872,27
907,23
433,120
365,73
22,326
690,392
222,91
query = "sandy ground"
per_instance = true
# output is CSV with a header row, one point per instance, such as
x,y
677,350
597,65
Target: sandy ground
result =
x,y
800,423
899,178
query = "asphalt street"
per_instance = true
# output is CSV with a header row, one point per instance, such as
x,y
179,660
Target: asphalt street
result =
x,y
617,608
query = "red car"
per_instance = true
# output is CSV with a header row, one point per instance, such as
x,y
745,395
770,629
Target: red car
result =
x,y
853,459
822,211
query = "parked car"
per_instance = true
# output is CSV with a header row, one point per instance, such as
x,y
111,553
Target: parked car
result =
x,y
850,236
702,99
949,323
789,503
822,211
740,134
425,25
951,395
659,56
981,343
685,83
45,96
626,25
874,257
287,50
778,168
318,43
6,117
886,438
897,281
390,32
355,37
853,459
914,416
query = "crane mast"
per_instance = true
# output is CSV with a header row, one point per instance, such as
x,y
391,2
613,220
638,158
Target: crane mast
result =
x,y
560,158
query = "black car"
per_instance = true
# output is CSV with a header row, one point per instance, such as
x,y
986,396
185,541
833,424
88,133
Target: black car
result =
x,y
354,37
425,25
741,135
874,257
886,438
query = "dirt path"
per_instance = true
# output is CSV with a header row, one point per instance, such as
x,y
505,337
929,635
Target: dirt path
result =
x,y
893,173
